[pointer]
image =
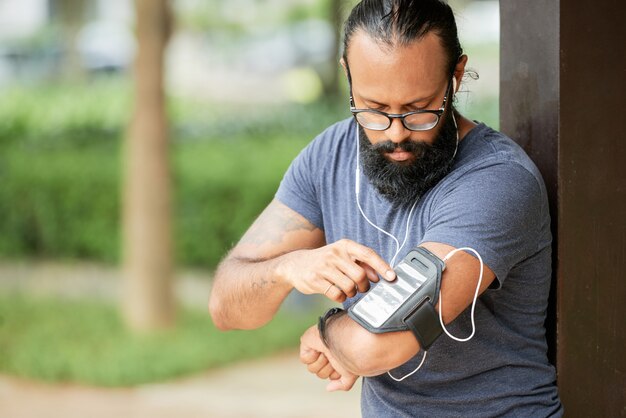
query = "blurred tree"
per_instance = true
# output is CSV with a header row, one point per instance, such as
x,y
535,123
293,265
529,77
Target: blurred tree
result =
x,y
148,265
70,15
335,17
337,12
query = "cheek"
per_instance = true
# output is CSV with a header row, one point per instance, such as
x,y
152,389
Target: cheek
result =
x,y
375,137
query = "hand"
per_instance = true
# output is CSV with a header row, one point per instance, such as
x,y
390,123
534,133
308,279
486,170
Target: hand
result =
x,y
320,362
337,270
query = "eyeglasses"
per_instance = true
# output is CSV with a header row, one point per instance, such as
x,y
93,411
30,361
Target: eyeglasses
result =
x,y
418,120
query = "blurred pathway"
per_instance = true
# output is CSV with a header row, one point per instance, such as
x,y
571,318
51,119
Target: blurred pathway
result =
x,y
276,387
81,280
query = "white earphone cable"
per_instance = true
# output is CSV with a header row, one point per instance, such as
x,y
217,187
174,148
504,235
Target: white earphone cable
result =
x,y
480,280
357,175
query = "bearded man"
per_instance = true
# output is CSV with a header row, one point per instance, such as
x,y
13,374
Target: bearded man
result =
x,y
407,170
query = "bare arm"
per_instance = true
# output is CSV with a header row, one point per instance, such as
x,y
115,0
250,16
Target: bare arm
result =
x,y
282,250
359,352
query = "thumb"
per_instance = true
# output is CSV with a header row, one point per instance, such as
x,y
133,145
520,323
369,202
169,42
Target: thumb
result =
x,y
344,383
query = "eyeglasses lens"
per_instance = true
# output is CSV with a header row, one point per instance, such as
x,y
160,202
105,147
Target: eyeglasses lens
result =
x,y
415,122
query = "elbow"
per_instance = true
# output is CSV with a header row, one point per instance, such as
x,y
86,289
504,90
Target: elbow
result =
x,y
365,358
369,365
217,314
216,318
366,366
225,319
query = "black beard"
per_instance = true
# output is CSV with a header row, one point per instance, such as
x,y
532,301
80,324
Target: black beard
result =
x,y
404,183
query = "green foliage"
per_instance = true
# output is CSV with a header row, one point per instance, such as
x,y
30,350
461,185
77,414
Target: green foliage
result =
x,y
60,169
63,116
216,15
59,203
85,342
221,187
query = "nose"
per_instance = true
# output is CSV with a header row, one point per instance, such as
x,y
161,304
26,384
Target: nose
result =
x,y
397,132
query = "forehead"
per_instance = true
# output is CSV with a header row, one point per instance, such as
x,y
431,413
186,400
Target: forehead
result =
x,y
396,71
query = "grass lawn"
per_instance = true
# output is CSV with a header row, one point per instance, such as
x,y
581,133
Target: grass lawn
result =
x,y
60,341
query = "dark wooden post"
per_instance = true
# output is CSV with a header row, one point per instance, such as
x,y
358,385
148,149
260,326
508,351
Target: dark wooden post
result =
x,y
563,82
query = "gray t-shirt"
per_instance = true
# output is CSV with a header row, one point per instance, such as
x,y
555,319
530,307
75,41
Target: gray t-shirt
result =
x,y
493,200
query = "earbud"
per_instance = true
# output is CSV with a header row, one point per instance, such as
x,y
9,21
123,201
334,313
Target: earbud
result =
x,y
453,85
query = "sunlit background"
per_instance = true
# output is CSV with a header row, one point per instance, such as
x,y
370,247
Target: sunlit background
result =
x,y
249,83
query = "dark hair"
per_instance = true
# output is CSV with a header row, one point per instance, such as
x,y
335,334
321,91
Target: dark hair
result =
x,y
400,22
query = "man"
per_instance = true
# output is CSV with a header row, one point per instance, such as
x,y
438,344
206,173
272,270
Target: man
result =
x,y
408,170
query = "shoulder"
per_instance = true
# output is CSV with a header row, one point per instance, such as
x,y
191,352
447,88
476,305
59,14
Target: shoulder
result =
x,y
491,162
484,148
333,140
493,183
305,185
493,200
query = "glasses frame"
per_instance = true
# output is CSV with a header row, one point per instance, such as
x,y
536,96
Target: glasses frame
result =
x,y
390,116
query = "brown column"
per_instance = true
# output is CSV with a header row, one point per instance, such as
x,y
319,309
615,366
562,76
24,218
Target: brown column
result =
x,y
562,95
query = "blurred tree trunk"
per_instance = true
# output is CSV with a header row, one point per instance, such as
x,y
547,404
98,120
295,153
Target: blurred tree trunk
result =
x,y
331,82
70,14
148,267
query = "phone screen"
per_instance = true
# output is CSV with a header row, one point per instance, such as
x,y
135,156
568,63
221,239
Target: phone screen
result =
x,y
385,298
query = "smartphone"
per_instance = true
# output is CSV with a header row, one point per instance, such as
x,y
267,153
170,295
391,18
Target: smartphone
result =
x,y
379,305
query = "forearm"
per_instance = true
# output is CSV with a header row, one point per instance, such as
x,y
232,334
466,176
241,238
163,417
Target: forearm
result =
x,y
364,353
246,293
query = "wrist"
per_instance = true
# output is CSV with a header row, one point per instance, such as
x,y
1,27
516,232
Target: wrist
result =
x,y
282,269
325,320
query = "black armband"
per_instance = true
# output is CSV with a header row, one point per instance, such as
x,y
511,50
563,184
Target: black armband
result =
x,y
407,303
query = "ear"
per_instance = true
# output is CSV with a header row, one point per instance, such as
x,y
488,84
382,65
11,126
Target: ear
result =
x,y
343,65
459,70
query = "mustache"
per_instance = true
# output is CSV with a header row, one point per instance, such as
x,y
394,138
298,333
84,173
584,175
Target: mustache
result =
x,y
388,146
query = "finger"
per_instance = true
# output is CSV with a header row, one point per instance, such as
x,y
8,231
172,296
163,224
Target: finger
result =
x,y
308,356
334,375
326,371
368,256
369,271
318,364
326,287
334,293
344,283
356,275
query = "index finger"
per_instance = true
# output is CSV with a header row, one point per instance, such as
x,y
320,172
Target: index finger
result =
x,y
308,355
368,256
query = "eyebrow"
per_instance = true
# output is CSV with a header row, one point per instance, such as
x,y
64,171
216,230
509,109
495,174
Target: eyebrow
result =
x,y
423,99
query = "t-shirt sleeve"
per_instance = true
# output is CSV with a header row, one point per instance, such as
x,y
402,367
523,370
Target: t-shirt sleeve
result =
x,y
498,210
299,189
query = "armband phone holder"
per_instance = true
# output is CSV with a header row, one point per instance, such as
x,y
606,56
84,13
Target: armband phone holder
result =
x,y
407,303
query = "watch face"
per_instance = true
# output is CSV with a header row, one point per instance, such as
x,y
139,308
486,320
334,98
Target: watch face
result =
x,y
385,298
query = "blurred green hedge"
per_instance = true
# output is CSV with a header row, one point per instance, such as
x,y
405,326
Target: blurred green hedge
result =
x,y
85,341
60,170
